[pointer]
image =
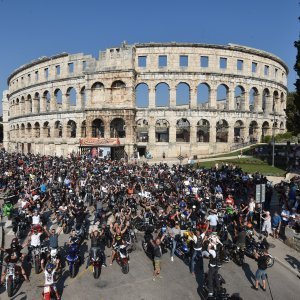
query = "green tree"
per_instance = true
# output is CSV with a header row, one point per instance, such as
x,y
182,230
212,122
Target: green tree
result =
x,y
292,114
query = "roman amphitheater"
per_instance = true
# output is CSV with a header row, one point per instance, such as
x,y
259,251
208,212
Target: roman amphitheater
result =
x,y
156,99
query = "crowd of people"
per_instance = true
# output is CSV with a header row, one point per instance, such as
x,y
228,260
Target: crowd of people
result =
x,y
191,211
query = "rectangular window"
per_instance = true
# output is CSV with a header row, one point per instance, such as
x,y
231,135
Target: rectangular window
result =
x,y
36,75
162,61
84,65
183,61
204,61
46,72
223,63
240,64
71,67
57,70
254,67
142,61
276,73
266,70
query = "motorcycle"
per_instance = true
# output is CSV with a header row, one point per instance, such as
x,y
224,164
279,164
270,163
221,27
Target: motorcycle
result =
x,y
217,294
36,253
48,293
182,250
122,258
96,260
237,254
73,259
66,223
12,279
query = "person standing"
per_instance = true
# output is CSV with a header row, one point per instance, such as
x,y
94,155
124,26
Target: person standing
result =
x,y
261,273
276,223
175,235
157,256
198,242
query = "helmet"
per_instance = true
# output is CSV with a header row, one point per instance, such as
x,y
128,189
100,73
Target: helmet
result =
x,y
53,252
14,243
50,267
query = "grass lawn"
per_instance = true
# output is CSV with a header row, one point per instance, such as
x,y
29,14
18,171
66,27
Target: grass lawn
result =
x,y
236,153
250,165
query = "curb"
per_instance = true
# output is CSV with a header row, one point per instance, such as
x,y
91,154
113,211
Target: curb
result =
x,y
287,267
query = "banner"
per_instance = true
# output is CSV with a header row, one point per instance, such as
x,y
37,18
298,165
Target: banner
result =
x,y
98,141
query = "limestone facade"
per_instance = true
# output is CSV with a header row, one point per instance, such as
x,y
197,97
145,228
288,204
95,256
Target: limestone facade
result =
x,y
150,96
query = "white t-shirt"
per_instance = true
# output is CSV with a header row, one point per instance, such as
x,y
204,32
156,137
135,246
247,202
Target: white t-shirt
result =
x,y
35,220
49,277
287,213
36,239
213,220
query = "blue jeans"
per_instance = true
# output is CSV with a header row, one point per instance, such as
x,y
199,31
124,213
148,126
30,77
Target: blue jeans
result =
x,y
196,254
174,243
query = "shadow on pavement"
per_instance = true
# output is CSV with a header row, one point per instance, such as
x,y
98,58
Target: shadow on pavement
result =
x,y
248,273
294,262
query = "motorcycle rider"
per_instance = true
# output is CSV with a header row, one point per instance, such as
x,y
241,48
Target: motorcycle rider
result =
x,y
175,235
49,278
14,255
117,239
97,243
212,275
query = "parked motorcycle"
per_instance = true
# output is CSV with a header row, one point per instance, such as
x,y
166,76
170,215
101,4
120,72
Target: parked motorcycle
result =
x,y
73,259
36,254
12,279
49,293
236,254
96,260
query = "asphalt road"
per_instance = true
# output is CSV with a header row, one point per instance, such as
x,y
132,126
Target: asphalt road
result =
x,y
177,282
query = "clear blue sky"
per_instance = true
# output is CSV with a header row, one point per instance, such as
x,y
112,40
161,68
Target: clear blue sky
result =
x,y
33,28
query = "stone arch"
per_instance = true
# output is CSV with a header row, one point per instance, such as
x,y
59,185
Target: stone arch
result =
x,y
183,130
29,104
37,102
58,129
98,128
222,130
253,99
266,129
97,92
117,128
18,130
162,131
222,96
83,129
71,129
142,95
239,131
281,126
22,129
58,99
183,94
142,130
46,100
239,97
46,130
203,95
118,91
37,130
265,100
253,132
17,107
28,129
203,131
162,95
71,96
275,102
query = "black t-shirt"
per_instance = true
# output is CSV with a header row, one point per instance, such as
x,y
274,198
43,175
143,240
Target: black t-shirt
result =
x,y
262,262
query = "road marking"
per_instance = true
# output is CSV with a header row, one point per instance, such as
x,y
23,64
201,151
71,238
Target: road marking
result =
x,y
79,275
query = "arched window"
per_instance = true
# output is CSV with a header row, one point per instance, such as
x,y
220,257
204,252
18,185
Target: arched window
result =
x,y
182,94
183,131
253,132
97,128
266,130
37,102
239,132
58,129
71,129
117,128
276,103
142,95
46,129
97,92
83,97
253,99
142,130
28,128
162,95
203,131
265,95
29,103
118,91
222,96
239,99
162,131
22,130
37,132
58,98
203,95
222,131
47,99
71,96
